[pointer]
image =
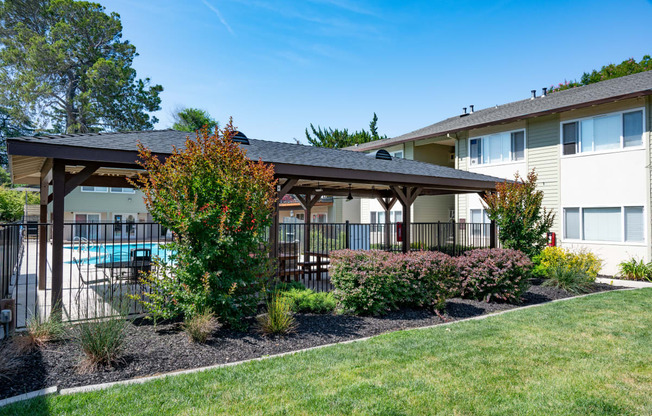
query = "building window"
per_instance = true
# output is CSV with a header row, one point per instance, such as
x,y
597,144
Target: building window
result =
x,y
122,191
397,154
634,224
572,223
601,224
603,133
615,224
498,148
102,189
319,218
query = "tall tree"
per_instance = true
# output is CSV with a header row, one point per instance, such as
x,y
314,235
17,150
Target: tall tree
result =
x,y
193,119
626,67
63,64
335,138
11,127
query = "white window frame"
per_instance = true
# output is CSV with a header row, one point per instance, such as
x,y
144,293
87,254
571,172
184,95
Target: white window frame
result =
x,y
622,147
397,154
122,190
95,189
509,161
622,226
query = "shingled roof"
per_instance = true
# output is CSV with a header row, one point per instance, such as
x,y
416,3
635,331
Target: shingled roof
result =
x,y
606,91
123,147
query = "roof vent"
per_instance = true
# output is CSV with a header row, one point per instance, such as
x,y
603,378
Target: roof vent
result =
x,y
465,113
544,91
534,94
471,109
239,137
383,154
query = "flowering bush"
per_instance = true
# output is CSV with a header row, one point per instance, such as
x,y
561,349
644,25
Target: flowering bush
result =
x,y
375,282
218,203
494,274
553,257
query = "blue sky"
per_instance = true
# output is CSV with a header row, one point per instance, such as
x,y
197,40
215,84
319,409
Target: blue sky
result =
x,y
277,66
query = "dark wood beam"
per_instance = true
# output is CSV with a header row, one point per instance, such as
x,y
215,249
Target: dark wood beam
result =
x,y
58,189
285,188
46,178
360,193
73,181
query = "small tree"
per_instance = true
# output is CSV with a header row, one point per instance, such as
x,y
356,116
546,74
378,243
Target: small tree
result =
x,y
516,208
193,119
219,204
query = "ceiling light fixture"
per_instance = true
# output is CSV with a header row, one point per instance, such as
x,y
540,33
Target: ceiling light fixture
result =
x,y
318,189
349,197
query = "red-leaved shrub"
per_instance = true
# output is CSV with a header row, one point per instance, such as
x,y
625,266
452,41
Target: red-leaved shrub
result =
x,y
494,274
375,282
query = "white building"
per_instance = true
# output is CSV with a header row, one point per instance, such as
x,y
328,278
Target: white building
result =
x,y
590,147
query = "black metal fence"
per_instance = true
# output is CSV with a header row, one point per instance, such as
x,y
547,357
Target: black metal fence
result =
x,y
102,262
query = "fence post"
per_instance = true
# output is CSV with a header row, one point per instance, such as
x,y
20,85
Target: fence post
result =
x,y
454,227
492,234
347,234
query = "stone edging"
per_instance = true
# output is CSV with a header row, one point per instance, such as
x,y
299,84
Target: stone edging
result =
x,y
141,380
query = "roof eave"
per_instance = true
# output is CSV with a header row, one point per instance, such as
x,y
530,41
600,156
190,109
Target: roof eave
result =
x,y
374,146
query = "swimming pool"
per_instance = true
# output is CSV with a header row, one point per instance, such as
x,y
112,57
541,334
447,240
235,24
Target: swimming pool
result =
x,y
105,253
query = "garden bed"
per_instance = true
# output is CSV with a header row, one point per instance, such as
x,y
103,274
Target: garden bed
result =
x,y
152,350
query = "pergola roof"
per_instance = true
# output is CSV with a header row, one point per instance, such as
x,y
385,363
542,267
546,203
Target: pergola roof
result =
x,y
334,169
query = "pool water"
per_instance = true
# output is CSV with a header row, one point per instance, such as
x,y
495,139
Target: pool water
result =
x,y
101,253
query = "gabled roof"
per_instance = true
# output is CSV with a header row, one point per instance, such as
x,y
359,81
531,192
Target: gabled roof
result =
x,y
630,86
289,159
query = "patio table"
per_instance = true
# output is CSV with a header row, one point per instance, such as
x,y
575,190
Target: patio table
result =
x,y
132,267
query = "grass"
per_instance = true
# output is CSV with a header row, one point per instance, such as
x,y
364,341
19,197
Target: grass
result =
x,y
586,356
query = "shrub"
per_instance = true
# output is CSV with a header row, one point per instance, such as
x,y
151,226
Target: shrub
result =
x,y
375,282
39,332
306,300
635,270
494,274
219,204
102,340
551,257
200,326
278,319
573,278
517,209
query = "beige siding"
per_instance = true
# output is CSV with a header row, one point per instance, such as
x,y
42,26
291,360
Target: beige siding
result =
x,y
461,162
648,130
603,109
543,156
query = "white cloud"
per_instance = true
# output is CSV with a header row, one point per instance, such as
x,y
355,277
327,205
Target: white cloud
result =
x,y
219,16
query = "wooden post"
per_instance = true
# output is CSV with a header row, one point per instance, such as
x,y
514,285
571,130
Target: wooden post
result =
x,y
492,234
307,202
46,177
387,204
58,196
406,196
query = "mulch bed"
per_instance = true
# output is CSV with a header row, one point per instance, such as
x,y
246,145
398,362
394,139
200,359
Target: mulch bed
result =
x,y
166,348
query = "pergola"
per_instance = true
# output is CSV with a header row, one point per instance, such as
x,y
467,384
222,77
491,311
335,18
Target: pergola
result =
x,y
59,164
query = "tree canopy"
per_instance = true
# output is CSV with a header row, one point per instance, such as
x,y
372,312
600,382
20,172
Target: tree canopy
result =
x,y
193,119
336,138
64,65
626,67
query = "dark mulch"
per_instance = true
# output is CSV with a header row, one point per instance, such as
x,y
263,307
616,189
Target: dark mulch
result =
x,y
151,350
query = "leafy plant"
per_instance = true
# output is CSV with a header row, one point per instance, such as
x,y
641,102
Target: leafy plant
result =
x,y
336,138
39,332
12,203
375,282
219,204
199,327
517,209
307,300
193,119
626,67
494,274
551,257
573,278
102,340
635,270
278,319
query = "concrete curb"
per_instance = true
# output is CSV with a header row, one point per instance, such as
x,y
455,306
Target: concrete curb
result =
x,y
27,396
624,283
104,386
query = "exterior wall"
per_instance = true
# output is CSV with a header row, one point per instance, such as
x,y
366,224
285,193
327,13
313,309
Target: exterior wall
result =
x,y
434,208
104,203
293,211
542,155
616,178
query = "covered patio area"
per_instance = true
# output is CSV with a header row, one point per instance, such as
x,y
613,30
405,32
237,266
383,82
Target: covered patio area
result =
x,y
59,164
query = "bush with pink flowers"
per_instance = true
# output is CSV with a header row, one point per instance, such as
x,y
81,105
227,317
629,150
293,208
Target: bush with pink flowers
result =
x,y
375,282
494,274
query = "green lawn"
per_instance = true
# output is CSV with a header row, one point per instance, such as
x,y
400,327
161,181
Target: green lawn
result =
x,y
587,356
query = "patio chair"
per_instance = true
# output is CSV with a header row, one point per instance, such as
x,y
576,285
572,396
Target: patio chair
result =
x,y
87,282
